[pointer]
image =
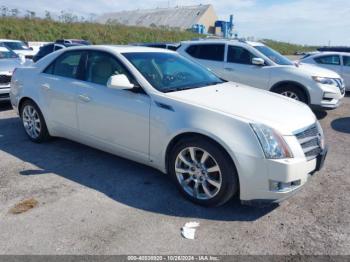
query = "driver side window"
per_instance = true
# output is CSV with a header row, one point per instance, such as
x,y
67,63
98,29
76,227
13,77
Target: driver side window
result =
x,y
101,66
239,55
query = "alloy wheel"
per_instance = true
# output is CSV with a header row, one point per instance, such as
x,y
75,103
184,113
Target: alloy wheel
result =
x,y
291,94
198,173
31,121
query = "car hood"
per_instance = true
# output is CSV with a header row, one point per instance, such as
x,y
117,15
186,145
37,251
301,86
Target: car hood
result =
x,y
314,70
8,65
252,104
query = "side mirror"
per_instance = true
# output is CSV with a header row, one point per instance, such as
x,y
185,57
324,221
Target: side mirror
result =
x,y
119,82
258,61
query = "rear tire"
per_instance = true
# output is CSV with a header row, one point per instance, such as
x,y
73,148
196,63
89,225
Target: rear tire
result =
x,y
293,92
33,122
203,172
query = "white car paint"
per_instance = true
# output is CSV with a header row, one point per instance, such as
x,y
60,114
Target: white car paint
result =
x,y
24,49
342,68
141,126
270,75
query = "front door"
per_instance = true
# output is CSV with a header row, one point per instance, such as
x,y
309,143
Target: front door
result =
x,y
239,68
119,119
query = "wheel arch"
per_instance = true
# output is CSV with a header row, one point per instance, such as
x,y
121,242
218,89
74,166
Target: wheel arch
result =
x,y
294,84
188,134
22,100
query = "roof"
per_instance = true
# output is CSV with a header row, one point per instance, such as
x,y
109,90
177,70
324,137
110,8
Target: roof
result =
x,y
183,17
9,40
120,48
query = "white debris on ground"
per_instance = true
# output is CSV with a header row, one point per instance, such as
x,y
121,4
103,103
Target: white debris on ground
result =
x,y
189,229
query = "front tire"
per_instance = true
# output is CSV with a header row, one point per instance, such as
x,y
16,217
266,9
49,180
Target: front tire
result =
x,y
203,172
292,92
34,122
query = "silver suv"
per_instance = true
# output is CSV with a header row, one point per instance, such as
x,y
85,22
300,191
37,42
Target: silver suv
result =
x,y
257,65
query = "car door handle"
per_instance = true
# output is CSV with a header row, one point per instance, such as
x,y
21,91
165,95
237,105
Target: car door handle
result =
x,y
45,87
229,69
84,98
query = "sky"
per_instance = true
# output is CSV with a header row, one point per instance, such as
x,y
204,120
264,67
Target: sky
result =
x,y
311,22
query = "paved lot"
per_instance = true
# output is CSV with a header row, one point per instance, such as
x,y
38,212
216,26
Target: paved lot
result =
x,y
91,202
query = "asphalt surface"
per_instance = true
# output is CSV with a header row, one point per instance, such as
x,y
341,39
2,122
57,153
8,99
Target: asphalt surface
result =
x,y
91,202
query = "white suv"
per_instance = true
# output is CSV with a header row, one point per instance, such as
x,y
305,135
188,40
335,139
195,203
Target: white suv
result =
x,y
257,65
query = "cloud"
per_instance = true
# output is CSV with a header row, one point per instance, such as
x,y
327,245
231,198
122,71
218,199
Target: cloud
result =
x,y
300,21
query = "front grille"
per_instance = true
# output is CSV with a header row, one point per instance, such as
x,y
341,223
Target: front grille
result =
x,y
5,79
310,141
4,96
340,85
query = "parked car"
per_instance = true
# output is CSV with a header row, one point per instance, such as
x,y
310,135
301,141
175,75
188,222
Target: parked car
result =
x,y
170,46
73,41
214,138
9,60
344,49
338,62
51,47
19,47
257,65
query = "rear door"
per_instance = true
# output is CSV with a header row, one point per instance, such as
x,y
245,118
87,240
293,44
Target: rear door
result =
x,y
58,85
239,68
346,71
210,55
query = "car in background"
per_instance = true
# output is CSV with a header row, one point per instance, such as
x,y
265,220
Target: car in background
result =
x,y
214,138
52,47
336,61
9,60
344,49
72,41
170,46
19,47
257,65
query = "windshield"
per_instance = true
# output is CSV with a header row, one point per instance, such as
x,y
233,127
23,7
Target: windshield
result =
x,y
6,53
169,72
16,45
274,55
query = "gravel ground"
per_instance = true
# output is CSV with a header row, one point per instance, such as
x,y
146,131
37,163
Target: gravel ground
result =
x,y
91,202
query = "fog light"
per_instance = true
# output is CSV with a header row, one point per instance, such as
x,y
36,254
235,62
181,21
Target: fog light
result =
x,y
282,187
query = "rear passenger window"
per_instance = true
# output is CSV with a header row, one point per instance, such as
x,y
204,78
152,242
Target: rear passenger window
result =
x,y
66,65
346,60
213,52
239,55
328,60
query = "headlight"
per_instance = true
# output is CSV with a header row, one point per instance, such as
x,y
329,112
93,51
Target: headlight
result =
x,y
325,80
272,142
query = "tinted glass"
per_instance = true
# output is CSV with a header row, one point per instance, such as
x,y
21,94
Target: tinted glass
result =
x,y
274,55
101,66
5,53
213,52
346,60
17,45
46,49
66,65
239,55
171,72
328,60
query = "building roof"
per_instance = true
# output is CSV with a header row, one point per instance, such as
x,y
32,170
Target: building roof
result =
x,y
182,17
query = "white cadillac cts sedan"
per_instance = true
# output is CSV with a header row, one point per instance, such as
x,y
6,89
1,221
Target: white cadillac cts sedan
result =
x,y
216,139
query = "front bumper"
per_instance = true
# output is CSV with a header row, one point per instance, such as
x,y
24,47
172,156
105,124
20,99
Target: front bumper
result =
x,y
327,97
293,173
